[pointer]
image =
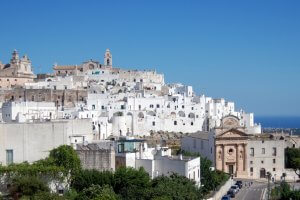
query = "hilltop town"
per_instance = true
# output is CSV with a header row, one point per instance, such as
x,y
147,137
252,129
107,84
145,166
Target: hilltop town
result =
x,y
114,117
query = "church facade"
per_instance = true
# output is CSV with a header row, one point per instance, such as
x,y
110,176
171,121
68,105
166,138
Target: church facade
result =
x,y
70,70
241,154
231,147
17,72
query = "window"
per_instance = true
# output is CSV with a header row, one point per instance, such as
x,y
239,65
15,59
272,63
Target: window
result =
x,y
251,169
140,107
9,156
182,106
153,123
121,148
251,162
93,107
274,151
251,151
32,98
274,161
263,151
175,123
274,169
157,106
192,123
262,162
194,176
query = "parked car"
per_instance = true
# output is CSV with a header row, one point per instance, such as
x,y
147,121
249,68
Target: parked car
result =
x,y
226,197
235,188
231,194
239,183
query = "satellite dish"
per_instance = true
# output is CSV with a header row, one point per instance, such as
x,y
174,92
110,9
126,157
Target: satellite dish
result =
x,y
85,143
153,152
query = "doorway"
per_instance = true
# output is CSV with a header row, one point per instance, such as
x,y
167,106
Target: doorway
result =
x,y
230,169
262,173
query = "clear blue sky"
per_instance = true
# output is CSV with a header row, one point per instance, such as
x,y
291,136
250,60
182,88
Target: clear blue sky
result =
x,y
245,51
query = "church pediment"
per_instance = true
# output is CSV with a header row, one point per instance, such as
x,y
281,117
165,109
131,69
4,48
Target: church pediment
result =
x,y
232,133
230,121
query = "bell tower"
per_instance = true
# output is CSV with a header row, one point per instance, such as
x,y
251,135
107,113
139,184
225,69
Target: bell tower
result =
x,y
15,57
107,58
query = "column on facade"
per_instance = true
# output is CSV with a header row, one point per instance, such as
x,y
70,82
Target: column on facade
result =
x,y
237,157
223,158
245,157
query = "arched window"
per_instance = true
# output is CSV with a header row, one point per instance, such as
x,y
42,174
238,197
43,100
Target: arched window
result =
x,y
141,115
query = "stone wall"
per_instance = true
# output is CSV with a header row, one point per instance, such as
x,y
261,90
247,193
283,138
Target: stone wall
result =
x,y
101,159
59,97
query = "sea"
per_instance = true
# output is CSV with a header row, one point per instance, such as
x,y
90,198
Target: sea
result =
x,y
278,121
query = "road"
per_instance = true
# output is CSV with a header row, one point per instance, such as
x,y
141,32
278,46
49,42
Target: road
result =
x,y
253,192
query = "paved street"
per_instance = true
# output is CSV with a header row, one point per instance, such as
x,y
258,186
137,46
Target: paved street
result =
x,y
253,192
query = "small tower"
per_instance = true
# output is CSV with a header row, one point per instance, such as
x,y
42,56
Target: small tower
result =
x,y
107,58
15,57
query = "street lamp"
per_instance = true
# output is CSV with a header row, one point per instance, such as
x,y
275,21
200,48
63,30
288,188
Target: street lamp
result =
x,y
269,177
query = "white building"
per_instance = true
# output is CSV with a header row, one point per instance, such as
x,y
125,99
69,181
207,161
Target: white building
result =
x,y
28,111
164,164
20,142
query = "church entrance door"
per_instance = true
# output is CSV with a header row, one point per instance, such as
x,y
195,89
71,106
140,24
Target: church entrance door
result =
x,y
262,173
230,169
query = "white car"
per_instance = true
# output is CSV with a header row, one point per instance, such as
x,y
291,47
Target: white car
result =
x,y
235,188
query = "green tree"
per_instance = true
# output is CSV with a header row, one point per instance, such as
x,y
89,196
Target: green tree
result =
x,y
292,159
295,164
46,196
131,183
174,187
211,179
65,156
106,193
290,154
85,178
95,192
27,186
89,193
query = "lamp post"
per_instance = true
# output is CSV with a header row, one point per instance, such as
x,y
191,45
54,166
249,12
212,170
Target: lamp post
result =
x,y
294,183
275,179
269,177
